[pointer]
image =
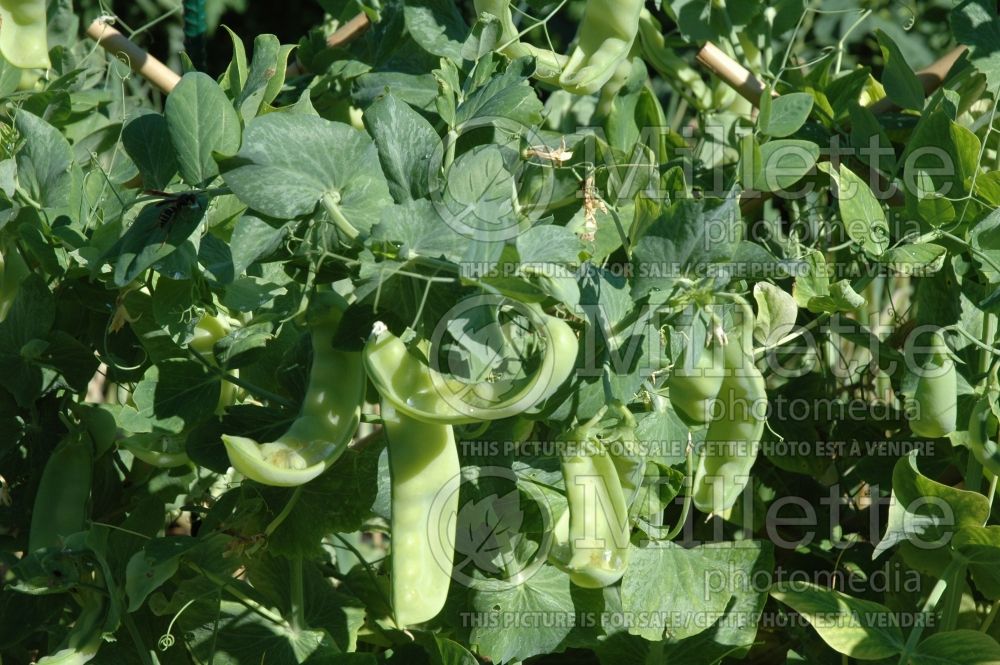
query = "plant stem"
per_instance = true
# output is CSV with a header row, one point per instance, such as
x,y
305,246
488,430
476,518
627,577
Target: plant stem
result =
x,y
932,600
331,202
297,593
988,621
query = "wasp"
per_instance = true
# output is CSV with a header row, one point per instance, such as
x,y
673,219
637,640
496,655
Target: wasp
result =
x,y
172,204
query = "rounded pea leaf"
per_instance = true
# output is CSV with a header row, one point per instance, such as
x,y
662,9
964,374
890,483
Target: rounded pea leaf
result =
x,y
289,163
200,121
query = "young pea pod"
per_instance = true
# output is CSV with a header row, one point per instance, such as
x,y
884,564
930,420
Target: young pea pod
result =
x,y
591,538
606,34
61,502
694,383
548,65
681,75
24,33
733,437
935,396
421,392
209,330
626,453
425,478
331,412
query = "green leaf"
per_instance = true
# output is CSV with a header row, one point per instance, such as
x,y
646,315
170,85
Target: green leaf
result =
x,y
776,312
975,24
154,235
506,98
783,163
200,121
985,237
688,236
176,393
870,140
478,198
146,139
437,26
857,628
29,320
899,79
919,258
406,143
289,163
841,298
787,114
861,213
927,513
957,647
44,163
981,547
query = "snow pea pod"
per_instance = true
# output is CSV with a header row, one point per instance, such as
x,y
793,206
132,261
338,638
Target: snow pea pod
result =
x,y
591,538
694,384
209,330
425,477
671,66
331,412
60,508
24,34
935,397
423,393
733,437
606,34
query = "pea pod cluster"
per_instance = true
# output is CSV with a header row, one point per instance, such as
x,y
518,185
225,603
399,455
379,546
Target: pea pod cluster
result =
x,y
605,36
330,414
733,437
419,406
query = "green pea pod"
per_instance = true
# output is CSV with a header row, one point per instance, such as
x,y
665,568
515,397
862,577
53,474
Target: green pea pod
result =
x,y
13,270
591,538
423,393
684,78
733,437
626,454
982,439
209,330
24,33
84,638
331,412
606,34
548,65
425,478
60,508
158,449
935,397
695,384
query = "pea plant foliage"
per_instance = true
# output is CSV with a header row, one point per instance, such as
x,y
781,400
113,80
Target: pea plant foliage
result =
x,y
579,331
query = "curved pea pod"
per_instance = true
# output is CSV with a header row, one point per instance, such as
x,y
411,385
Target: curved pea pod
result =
x,y
605,37
423,393
671,66
331,412
733,437
209,330
591,538
425,478
935,396
24,33
694,385
983,427
548,65
61,502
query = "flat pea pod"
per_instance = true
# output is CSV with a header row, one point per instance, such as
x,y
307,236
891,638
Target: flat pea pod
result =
x,y
548,65
330,414
983,427
605,36
695,382
60,508
684,78
935,396
733,437
425,478
423,393
24,33
591,538
13,270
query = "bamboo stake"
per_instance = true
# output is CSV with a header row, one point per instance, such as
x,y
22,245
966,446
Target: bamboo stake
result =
x,y
138,59
344,35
